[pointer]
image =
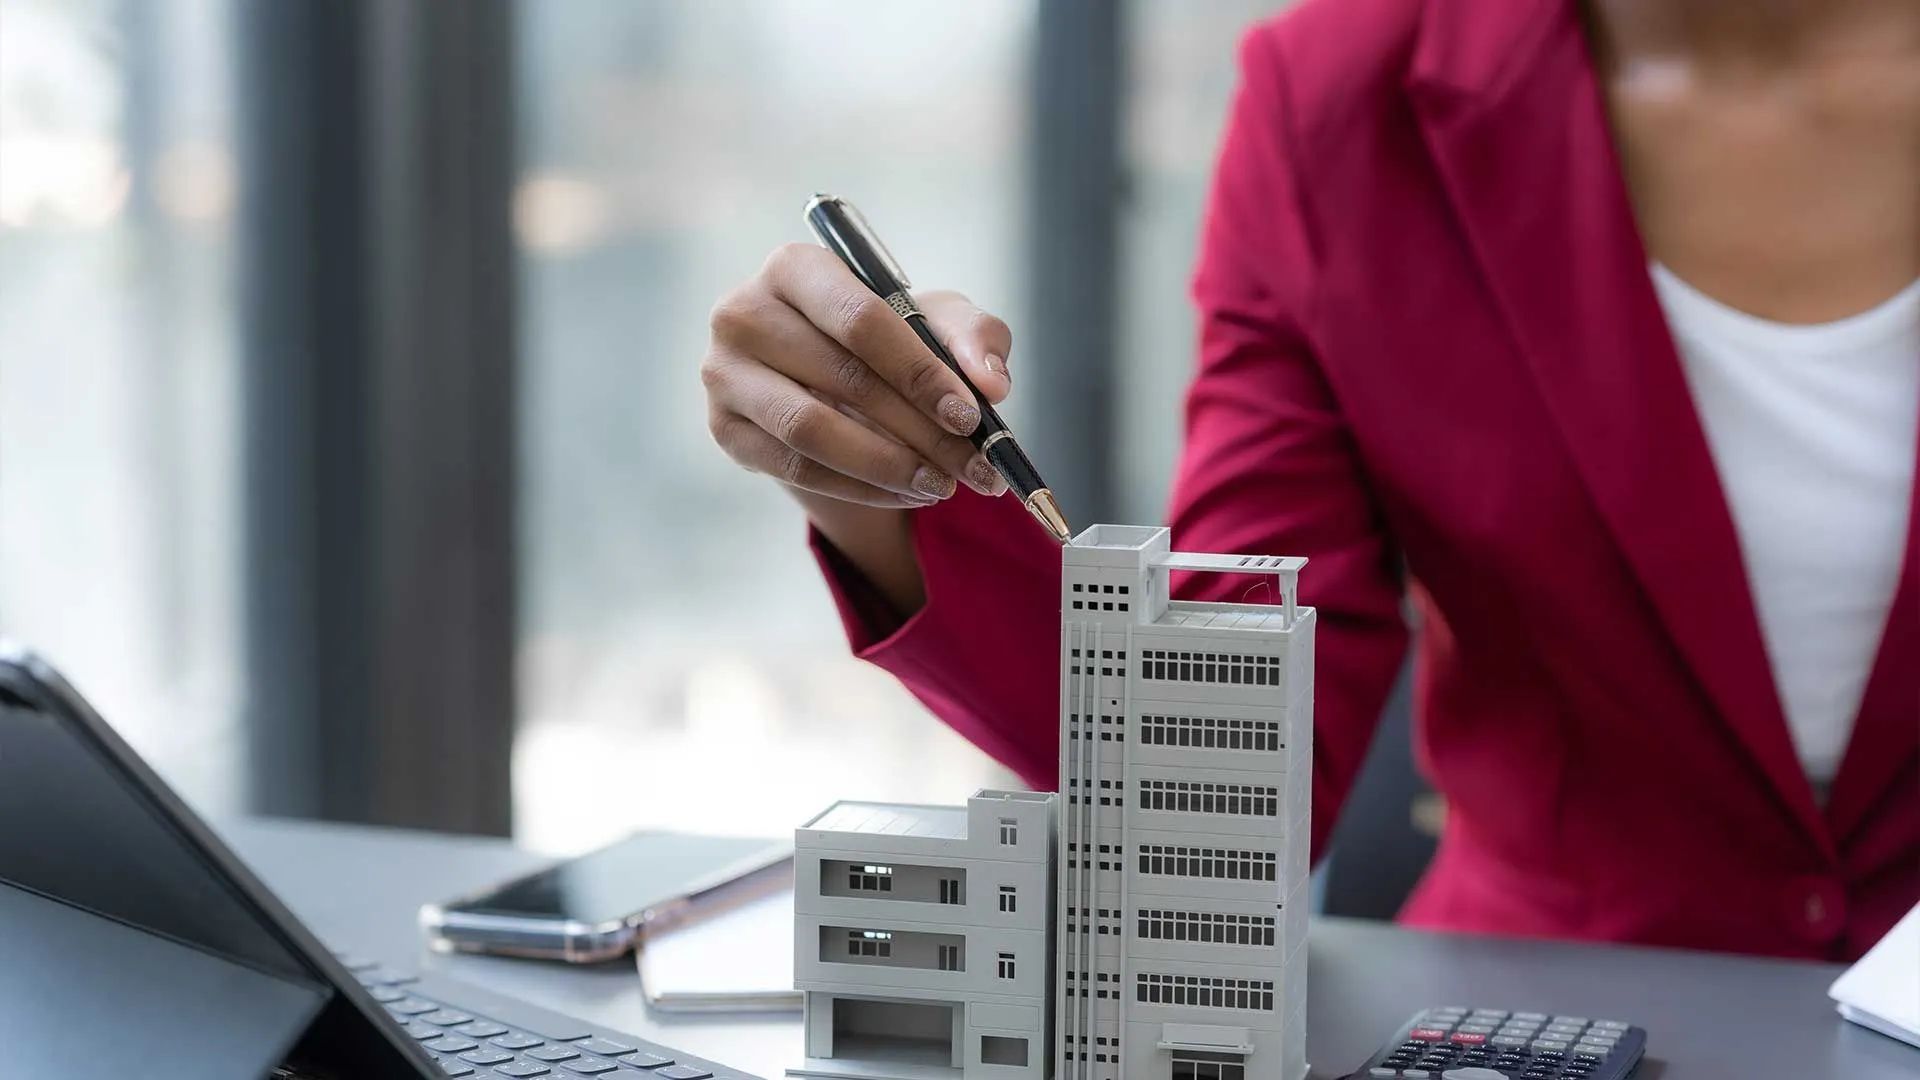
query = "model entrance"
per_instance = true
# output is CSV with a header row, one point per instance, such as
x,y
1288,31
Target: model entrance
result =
x,y
897,1032
1199,1065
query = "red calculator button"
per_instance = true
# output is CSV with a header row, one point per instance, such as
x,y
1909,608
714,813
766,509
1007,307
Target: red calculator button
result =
x,y
1429,1034
1468,1037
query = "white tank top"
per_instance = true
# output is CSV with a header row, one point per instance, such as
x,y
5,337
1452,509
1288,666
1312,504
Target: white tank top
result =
x,y
1812,430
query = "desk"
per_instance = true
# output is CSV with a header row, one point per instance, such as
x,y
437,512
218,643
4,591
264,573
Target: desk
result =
x,y
1710,1017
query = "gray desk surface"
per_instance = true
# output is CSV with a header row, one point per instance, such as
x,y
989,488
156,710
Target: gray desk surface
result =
x,y
1709,1017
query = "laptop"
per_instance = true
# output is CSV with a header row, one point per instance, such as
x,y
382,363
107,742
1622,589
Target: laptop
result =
x,y
133,943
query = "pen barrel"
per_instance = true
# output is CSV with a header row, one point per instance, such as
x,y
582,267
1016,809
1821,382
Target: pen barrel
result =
x,y
1022,477
992,437
918,322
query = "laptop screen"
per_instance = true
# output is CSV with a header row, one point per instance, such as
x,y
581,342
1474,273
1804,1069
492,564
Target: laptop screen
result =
x,y
75,827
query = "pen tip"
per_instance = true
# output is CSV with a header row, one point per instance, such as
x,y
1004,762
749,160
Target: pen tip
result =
x,y
1044,506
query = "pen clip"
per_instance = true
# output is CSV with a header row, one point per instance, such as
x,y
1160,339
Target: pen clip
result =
x,y
858,222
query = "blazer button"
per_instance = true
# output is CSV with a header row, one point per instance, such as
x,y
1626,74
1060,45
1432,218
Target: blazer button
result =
x,y
1819,908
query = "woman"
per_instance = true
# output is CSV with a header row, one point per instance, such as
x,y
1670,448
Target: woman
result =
x,y
1593,334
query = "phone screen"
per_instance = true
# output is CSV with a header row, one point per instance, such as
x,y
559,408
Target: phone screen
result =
x,y
640,872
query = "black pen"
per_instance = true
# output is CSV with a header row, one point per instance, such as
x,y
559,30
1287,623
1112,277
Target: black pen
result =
x,y
842,230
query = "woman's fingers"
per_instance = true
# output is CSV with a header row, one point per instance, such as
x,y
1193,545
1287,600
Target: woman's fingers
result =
x,y
979,340
791,345
812,378
819,286
814,440
752,447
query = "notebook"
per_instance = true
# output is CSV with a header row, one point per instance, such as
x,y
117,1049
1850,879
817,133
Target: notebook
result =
x,y
1882,991
740,960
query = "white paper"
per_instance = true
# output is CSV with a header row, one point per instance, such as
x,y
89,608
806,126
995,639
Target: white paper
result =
x,y
1882,991
742,955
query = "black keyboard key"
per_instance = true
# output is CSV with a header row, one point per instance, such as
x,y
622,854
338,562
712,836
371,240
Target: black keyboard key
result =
x,y
554,1053
450,1044
522,1068
486,1055
423,1032
446,1017
481,1029
590,1066
603,1047
412,1006
683,1072
385,994
643,1060
515,1040
454,1068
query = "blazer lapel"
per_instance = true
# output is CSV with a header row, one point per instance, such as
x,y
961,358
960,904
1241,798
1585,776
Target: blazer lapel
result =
x,y
1514,117
1886,735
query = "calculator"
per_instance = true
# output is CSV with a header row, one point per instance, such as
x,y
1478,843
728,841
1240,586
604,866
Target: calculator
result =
x,y
1458,1043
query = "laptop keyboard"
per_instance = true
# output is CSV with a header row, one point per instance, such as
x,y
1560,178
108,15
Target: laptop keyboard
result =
x,y
464,1043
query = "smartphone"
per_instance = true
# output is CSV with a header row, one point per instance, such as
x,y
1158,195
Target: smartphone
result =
x,y
597,907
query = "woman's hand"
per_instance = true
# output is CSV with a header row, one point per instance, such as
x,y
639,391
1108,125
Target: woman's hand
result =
x,y
813,380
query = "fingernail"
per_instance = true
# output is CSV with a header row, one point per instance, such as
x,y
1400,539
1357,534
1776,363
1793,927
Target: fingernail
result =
x,y
983,477
958,414
998,366
932,483
919,502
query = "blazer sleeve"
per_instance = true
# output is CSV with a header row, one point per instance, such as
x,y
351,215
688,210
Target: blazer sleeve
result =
x,y
1269,465
983,653
1268,468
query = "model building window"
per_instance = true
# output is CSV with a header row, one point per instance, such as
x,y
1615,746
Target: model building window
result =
x,y
1004,967
950,891
1207,928
1187,797
1003,1050
1009,831
870,878
1006,899
1210,733
1200,1065
1203,991
949,957
1223,863
877,943
1230,668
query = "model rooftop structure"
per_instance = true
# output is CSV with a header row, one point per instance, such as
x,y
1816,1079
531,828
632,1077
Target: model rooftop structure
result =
x,y
1186,770
893,819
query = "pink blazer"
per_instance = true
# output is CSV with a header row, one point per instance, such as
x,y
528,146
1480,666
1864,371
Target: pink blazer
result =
x,y
1431,360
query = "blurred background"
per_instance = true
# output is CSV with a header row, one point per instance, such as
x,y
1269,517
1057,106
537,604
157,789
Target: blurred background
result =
x,y
353,456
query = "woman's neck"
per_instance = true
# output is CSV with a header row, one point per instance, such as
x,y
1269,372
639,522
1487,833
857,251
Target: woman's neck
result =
x,y
1742,32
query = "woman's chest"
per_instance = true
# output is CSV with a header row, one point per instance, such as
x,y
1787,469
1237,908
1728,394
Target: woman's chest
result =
x,y
1791,194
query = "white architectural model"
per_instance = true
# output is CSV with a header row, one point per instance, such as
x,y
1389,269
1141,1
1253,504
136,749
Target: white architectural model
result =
x,y
923,938
1185,763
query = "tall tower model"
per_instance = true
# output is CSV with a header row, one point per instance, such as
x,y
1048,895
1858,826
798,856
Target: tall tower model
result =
x,y
1185,767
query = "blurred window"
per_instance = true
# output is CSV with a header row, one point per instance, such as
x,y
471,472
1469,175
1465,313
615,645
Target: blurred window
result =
x,y
1181,69
119,424
676,641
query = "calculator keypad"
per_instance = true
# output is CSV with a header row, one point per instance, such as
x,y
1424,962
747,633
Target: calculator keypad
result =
x,y
1455,1041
